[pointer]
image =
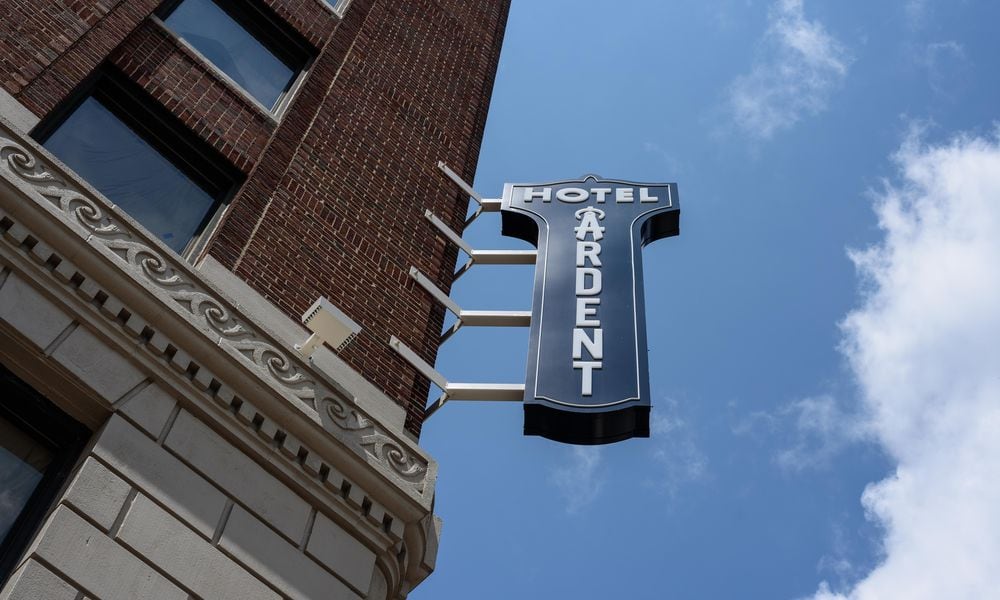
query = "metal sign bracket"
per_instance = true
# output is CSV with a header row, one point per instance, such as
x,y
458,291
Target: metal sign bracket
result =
x,y
472,318
468,392
485,204
480,257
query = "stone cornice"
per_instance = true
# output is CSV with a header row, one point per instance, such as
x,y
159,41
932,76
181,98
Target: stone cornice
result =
x,y
151,265
331,445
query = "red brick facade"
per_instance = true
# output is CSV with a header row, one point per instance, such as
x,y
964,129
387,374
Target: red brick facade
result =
x,y
336,185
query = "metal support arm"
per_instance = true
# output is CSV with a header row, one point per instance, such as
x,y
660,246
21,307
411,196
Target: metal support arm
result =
x,y
472,318
505,257
485,204
488,318
481,257
467,392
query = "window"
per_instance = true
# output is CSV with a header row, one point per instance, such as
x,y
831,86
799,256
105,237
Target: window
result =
x,y
338,6
260,54
143,159
38,448
23,461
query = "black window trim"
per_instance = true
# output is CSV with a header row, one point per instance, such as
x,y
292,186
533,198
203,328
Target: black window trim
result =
x,y
62,435
273,32
162,130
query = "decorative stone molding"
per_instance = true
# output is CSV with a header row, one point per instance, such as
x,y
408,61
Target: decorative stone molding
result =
x,y
243,414
408,547
146,260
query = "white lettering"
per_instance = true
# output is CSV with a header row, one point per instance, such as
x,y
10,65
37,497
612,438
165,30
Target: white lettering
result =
x,y
594,346
624,195
582,289
545,194
572,195
588,367
584,312
586,308
589,224
601,193
588,251
575,195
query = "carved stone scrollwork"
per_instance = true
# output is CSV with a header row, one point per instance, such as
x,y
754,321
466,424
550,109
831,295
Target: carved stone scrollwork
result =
x,y
159,268
374,441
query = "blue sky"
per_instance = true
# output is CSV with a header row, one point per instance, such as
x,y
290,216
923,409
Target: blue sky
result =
x,y
822,334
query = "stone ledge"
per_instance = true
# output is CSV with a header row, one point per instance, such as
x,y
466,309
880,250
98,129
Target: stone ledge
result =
x,y
372,399
173,362
109,240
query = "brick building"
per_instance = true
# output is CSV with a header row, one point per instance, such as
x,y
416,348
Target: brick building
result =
x,y
180,181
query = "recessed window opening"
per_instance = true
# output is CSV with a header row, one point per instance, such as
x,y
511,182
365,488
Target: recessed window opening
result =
x,y
23,461
338,6
260,53
38,447
142,158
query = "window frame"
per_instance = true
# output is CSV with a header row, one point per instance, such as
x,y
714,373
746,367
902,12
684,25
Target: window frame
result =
x,y
149,119
337,7
275,34
57,431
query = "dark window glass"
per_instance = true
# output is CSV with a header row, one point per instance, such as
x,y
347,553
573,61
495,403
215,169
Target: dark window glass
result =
x,y
131,173
23,461
233,49
39,444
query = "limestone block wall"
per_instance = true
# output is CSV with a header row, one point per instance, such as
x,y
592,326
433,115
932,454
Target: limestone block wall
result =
x,y
162,507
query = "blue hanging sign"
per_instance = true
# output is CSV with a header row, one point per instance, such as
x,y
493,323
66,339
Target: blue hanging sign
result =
x,y
587,379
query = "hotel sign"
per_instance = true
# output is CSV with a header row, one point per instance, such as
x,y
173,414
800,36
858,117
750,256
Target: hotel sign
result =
x,y
587,379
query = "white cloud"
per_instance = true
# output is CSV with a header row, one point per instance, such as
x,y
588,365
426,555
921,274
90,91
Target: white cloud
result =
x,y
952,47
674,450
838,562
669,160
948,68
580,480
800,66
755,424
674,460
925,349
822,430
916,12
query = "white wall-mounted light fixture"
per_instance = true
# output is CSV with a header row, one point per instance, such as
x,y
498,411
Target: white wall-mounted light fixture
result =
x,y
328,325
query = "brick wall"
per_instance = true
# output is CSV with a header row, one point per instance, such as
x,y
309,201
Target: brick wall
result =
x,y
336,188
175,76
